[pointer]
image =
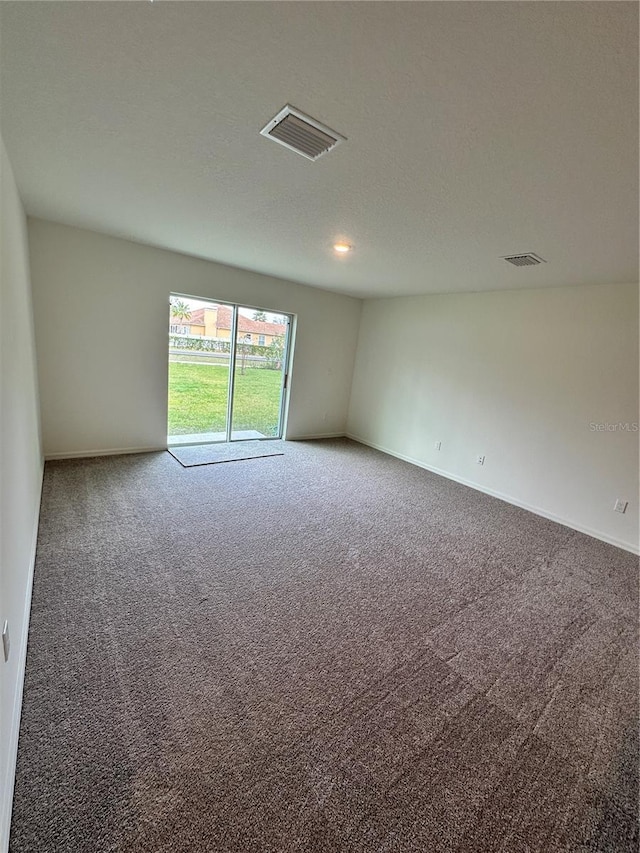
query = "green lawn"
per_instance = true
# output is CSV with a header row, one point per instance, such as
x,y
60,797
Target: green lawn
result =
x,y
198,399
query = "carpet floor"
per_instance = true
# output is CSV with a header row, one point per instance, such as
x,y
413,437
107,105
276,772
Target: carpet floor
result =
x,y
330,650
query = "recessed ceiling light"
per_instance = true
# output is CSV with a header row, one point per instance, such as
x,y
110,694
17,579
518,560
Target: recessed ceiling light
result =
x,y
342,248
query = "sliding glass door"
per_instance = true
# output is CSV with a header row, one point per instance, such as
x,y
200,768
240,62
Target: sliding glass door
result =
x,y
259,375
228,370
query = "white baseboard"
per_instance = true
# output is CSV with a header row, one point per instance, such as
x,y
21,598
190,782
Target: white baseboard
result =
x,y
314,436
6,803
112,451
596,534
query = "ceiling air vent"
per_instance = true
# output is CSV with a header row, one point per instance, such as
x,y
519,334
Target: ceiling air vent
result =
x,y
526,260
301,133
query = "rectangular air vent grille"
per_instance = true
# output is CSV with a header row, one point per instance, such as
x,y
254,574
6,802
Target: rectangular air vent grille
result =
x,y
526,260
301,133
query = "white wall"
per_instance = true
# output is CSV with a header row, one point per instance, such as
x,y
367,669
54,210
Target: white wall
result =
x,y
518,376
101,315
20,471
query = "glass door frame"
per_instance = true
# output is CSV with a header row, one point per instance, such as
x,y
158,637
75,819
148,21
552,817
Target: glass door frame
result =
x,y
233,347
233,352
284,373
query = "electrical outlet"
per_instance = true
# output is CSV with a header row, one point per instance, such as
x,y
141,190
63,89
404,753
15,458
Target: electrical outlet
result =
x,y
438,445
6,643
621,506
480,460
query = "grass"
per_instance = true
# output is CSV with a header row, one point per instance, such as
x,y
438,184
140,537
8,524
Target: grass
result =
x,y
198,399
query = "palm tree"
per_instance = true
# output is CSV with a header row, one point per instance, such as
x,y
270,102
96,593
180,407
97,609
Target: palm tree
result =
x,y
180,310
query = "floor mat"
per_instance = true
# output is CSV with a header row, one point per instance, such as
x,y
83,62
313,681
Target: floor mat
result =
x,y
235,451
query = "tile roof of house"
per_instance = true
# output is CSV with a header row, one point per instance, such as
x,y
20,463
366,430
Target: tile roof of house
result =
x,y
197,318
245,324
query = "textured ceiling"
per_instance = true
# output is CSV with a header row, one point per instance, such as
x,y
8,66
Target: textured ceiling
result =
x,y
475,130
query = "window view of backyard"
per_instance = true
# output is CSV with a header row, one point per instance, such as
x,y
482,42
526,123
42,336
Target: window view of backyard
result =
x,y
200,339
